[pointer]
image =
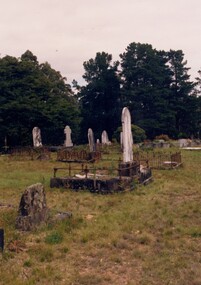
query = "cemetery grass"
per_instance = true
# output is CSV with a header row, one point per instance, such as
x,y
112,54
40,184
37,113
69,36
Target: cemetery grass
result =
x,y
151,235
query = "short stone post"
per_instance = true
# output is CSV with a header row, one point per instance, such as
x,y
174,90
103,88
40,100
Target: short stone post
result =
x,y
1,240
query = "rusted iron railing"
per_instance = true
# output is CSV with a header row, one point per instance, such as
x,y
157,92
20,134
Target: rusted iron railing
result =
x,y
29,153
158,160
129,170
66,155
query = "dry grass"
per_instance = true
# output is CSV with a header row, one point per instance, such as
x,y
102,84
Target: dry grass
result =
x,y
148,236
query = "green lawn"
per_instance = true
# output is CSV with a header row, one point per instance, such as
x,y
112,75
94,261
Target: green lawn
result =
x,y
151,235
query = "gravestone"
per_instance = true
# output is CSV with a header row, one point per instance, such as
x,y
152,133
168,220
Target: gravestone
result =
x,y
32,209
184,142
92,146
104,138
127,138
36,133
68,141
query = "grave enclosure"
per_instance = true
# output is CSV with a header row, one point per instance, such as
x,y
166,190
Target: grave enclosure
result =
x,y
123,177
83,170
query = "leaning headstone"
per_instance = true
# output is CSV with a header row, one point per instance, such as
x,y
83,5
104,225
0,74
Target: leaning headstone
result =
x,y
68,141
92,146
32,209
104,138
127,138
36,133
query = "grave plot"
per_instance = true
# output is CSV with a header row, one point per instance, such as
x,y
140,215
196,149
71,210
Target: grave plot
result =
x,y
29,153
101,180
158,160
123,177
72,155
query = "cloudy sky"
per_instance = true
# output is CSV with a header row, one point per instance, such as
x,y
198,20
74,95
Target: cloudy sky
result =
x,y
66,33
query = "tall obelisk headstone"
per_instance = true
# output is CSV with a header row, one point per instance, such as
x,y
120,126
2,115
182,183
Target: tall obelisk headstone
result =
x,y
127,138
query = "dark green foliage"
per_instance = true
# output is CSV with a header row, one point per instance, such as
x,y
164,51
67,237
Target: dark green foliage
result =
x,y
198,104
33,94
153,84
100,98
54,238
182,101
157,90
146,88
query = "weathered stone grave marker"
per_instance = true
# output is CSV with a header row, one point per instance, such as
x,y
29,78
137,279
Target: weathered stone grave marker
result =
x,y
36,133
32,208
104,138
68,141
92,146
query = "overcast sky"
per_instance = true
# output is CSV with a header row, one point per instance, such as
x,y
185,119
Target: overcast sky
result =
x,y
66,33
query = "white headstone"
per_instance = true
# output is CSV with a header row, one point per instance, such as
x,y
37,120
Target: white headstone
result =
x,y
91,140
104,138
183,142
36,133
127,138
68,141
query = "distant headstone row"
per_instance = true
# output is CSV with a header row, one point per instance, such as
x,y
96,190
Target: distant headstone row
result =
x,y
37,140
126,137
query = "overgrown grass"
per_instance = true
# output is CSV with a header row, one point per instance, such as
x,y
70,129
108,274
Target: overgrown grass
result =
x,y
151,235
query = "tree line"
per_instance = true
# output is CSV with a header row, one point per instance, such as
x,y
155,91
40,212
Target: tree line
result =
x,y
154,84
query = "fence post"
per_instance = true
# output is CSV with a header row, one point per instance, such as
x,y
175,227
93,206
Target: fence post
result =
x,y
69,168
1,240
86,171
55,171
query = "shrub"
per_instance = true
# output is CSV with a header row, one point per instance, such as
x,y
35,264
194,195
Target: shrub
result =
x,y
138,134
162,137
54,238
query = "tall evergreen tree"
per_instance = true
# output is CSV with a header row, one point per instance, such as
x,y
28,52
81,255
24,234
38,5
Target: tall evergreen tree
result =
x,y
146,81
198,100
182,100
100,98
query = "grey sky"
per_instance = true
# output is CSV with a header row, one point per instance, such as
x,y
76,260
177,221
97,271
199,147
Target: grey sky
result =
x,y
66,33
